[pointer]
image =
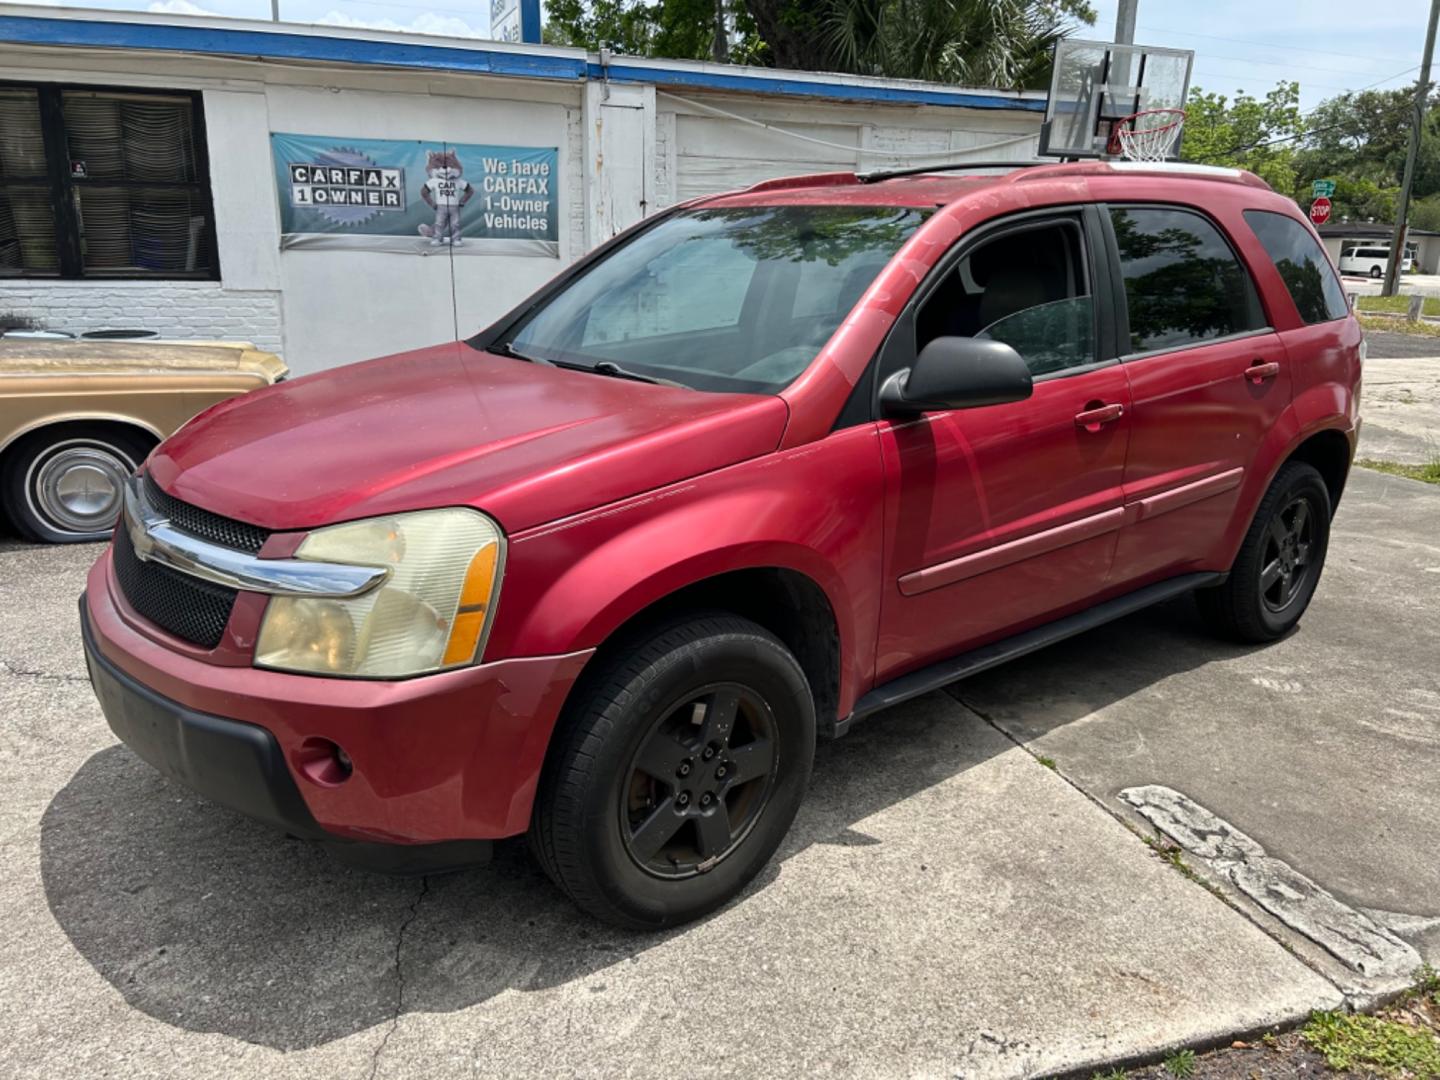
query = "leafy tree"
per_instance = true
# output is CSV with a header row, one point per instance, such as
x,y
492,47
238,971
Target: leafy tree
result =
x,y
1005,43
674,29
1425,213
1246,133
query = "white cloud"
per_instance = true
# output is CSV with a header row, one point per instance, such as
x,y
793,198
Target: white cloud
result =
x,y
427,22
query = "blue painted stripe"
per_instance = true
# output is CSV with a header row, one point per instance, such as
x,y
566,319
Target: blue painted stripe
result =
x,y
713,80
264,45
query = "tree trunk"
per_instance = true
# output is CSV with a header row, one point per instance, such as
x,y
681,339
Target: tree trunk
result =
x,y
720,47
792,30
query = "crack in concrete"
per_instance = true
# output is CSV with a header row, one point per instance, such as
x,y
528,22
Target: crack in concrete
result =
x,y
1349,935
399,977
15,671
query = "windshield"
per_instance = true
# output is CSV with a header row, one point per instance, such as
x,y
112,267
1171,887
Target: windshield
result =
x,y
720,299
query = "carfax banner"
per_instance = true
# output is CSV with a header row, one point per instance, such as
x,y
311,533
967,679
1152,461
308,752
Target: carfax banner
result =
x,y
416,197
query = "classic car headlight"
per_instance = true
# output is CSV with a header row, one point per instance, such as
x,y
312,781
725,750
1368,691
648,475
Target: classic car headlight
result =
x,y
430,613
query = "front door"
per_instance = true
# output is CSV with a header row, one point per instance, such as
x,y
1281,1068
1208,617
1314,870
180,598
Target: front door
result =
x,y
1002,516
1208,378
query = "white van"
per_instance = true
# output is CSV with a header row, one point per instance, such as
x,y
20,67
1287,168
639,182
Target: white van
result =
x,y
1371,261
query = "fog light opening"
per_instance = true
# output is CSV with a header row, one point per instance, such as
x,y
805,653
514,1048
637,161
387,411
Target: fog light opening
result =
x,y
323,762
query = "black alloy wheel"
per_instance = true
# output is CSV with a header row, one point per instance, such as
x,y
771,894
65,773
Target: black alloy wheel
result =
x,y
1286,562
698,783
1278,567
675,771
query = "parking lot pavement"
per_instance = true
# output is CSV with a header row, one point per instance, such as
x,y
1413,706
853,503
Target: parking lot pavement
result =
x,y
946,904
1402,407
1324,747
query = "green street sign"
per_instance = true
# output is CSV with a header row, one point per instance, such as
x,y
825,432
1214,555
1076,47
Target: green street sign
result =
x,y
1323,189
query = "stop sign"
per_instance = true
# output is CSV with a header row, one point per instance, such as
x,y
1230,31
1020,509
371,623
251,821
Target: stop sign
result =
x,y
1320,210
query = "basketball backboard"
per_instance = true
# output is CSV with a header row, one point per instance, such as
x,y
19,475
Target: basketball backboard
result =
x,y
1096,83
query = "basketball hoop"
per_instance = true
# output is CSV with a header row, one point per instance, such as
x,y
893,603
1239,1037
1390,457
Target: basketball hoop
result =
x,y
1147,135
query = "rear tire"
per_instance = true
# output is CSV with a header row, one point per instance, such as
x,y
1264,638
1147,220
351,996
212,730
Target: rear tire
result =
x,y
63,484
1376,272
1279,563
676,772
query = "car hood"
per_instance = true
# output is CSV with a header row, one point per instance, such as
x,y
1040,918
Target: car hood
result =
x,y
449,426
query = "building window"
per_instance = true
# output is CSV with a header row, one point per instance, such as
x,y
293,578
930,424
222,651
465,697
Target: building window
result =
x,y
104,183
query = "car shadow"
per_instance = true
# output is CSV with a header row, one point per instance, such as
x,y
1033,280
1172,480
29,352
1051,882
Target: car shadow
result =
x,y
1050,689
207,921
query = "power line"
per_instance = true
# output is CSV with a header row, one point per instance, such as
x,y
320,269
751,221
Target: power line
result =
x,y
1291,64
1311,131
1271,44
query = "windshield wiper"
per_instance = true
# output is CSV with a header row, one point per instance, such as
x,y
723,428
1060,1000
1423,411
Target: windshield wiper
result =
x,y
609,367
504,348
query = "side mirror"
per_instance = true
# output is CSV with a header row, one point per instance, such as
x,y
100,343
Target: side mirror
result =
x,y
957,373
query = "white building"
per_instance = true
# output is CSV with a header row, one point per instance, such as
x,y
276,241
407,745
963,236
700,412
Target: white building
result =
x,y
149,162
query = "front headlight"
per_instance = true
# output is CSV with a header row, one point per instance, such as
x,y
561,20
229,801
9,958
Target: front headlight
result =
x,y
431,612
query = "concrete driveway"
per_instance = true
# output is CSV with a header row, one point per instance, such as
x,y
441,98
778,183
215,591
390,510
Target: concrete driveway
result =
x,y
946,905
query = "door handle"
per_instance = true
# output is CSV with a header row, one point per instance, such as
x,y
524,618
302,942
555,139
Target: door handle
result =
x,y
1260,370
1093,419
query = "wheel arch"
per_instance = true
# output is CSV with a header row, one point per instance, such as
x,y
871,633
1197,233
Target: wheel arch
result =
x,y
101,419
1328,451
1315,429
789,603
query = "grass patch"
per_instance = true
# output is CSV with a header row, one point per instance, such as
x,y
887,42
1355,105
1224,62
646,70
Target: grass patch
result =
x,y
1430,473
1112,1074
1357,1042
1398,305
1181,1064
1175,856
1048,762
1385,325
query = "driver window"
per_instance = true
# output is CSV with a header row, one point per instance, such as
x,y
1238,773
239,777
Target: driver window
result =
x,y
1029,288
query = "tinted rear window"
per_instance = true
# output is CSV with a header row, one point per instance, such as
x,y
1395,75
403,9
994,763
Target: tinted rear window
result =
x,y
1183,283
1303,266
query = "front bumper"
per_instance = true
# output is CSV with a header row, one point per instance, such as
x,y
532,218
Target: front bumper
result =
x,y
454,756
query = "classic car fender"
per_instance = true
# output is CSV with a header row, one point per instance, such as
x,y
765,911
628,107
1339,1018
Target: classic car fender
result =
x,y
70,416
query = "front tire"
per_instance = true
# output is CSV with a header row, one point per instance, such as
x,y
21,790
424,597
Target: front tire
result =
x,y
677,771
1279,564
63,484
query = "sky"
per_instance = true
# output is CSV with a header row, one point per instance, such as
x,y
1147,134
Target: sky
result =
x,y
1329,46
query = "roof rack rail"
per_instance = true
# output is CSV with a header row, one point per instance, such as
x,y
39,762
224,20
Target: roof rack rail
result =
x,y
953,166
829,179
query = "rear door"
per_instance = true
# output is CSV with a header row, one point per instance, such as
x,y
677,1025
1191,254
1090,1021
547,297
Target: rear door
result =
x,y
1208,378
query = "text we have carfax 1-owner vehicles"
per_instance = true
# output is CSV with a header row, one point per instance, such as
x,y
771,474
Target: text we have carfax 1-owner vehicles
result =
x,y
765,464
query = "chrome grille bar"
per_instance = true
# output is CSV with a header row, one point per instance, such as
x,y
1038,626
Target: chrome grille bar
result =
x,y
155,539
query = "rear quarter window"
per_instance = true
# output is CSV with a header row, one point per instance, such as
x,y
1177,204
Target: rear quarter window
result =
x,y
1302,265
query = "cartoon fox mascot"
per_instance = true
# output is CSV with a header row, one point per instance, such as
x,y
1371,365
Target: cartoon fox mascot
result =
x,y
445,192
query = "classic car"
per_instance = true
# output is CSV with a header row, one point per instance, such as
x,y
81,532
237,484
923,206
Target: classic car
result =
x,y
77,417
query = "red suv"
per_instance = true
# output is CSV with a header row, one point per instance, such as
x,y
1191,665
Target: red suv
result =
x,y
766,464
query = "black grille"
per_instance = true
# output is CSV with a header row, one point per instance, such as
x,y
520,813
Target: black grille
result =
x,y
187,607
204,524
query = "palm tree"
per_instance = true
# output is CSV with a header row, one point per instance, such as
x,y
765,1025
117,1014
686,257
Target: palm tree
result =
x,y
1004,43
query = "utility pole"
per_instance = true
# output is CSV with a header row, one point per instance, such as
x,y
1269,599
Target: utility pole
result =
x,y
274,10
1125,22
1402,212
